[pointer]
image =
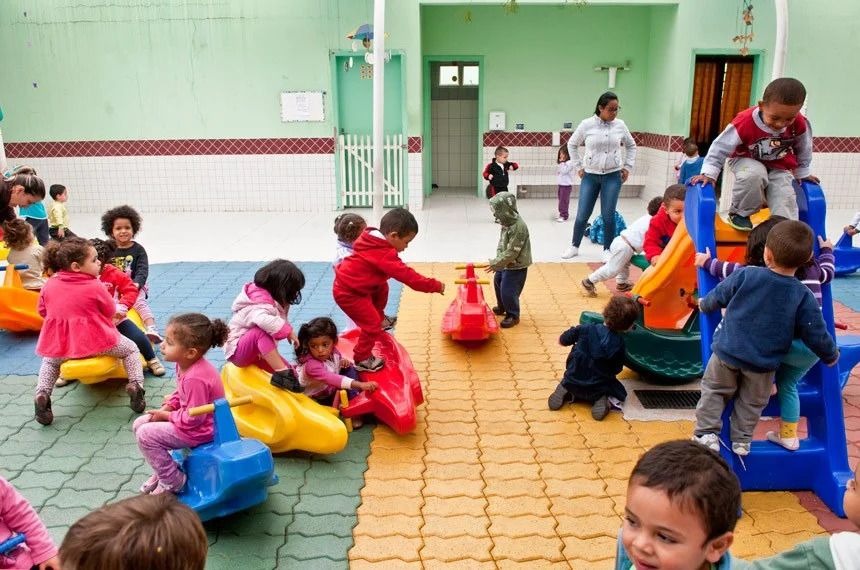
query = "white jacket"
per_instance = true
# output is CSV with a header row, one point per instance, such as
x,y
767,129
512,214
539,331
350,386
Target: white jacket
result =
x,y
635,232
564,173
603,141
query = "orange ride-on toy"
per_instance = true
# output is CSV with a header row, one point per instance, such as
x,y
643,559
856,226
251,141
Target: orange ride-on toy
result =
x,y
469,317
18,306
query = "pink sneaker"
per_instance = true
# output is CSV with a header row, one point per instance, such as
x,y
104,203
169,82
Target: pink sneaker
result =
x,y
150,485
162,488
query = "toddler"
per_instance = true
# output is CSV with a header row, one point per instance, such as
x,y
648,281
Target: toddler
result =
x,y
259,321
768,146
851,228
23,250
564,175
187,338
692,165
58,215
596,359
361,280
682,508
141,533
18,517
621,251
496,172
122,224
765,307
513,257
79,315
348,227
663,224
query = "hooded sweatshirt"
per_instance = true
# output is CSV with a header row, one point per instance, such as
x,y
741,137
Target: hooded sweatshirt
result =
x,y
255,307
514,250
838,552
597,355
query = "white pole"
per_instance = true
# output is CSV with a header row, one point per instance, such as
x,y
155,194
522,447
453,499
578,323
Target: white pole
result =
x,y
781,46
2,155
378,106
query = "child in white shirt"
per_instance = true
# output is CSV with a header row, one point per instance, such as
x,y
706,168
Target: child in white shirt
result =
x,y
851,228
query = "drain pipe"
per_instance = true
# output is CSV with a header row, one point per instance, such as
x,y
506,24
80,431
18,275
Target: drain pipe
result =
x,y
378,108
781,46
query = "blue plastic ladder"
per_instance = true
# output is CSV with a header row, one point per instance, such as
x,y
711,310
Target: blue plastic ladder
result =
x,y
821,463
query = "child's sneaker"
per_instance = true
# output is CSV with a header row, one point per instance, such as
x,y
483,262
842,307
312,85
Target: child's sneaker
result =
x,y
162,488
371,364
742,223
589,287
709,440
559,397
741,448
623,287
44,415
509,322
156,367
62,382
790,443
152,335
497,310
286,380
560,219
150,485
136,399
388,323
600,408
572,251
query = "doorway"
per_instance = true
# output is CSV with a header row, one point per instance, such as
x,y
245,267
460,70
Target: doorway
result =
x,y
722,87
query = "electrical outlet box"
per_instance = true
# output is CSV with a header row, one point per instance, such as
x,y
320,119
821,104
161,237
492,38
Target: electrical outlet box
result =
x,y
520,127
497,120
567,126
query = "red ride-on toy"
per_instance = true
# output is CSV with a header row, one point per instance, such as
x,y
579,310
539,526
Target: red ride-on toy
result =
x,y
469,317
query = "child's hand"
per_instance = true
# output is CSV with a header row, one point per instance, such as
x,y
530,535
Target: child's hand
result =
x,y
834,361
294,340
490,177
345,363
61,233
824,242
702,179
158,415
702,258
850,230
654,260
812,178
489,269
365,386
625,174
581,173
442,291
50,564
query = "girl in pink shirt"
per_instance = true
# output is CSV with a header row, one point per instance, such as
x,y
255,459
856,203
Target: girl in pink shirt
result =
x,y
18,517
186,341
79,323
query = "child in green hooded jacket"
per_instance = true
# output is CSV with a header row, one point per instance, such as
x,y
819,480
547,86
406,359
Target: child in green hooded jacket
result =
x,y
513,257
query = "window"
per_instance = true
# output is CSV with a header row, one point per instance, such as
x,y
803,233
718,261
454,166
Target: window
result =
x,y
458,74
449,75
470,75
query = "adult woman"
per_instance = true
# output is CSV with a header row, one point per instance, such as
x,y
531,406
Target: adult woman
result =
x,y
19,190
602,170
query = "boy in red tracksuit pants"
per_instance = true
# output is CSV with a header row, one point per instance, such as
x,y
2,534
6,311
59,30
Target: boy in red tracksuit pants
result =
x,y
664,222
361,280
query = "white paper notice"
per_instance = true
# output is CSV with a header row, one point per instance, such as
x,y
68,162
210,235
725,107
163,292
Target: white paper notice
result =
x,y
302,106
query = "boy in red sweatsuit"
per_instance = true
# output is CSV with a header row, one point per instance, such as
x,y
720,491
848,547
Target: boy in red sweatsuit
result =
x,y
361,280
664,222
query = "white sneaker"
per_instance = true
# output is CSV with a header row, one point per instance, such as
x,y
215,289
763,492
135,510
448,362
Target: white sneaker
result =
x,y
741,448
709,440
606,255
560,220
570,252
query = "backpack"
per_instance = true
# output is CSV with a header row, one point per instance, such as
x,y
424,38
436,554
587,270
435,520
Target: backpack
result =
x,y
595,229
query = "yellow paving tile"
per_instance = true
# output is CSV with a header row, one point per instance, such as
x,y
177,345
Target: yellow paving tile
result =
x,y
455,525
465,564
588,526
522,526
378,549
592,549
450,549
391,505
390,564
444,488
389,524
444,507
526,548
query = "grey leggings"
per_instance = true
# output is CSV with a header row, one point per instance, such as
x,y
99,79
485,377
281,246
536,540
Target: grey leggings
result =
x,y
125,350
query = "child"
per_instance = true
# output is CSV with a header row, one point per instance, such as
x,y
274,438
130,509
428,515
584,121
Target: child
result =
x,y
260,320
125,292
679,160
815,273
141,533
58,216
663,224
187,338
692,165
765,307
17,516
23,250
513,257
496,172
769,146
321,369
621,251
348,227
564,175
682,508
361,280
79,323
851,228
122,224
596,359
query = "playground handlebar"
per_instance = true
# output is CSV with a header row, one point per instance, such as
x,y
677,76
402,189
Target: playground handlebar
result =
x,y
475,265
209,408
466,281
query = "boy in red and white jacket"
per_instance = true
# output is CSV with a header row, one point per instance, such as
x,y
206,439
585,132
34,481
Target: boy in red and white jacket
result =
x,y
664,222
361,280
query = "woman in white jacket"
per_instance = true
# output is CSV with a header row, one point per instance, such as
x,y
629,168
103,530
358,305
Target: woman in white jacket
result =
x,y
602,170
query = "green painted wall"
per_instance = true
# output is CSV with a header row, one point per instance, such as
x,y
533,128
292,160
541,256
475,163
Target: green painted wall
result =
x,y
179,69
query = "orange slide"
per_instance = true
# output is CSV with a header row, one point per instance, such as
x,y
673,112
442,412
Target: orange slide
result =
x,y
18,305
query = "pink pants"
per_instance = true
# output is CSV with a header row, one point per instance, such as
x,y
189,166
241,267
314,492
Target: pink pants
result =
x,y
142,308
367,312
251,348
125,350
156,440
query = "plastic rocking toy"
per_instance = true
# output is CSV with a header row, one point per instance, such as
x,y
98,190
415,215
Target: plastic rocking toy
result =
x,y
468,318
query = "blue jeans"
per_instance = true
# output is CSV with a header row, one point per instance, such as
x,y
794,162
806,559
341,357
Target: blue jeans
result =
x,y
508,284
130,331
608,187
40,229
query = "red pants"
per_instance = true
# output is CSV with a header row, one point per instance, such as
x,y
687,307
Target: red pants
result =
x,y
367,312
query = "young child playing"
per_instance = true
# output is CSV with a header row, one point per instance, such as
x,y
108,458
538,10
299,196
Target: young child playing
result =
x,y
851,228
621,251
187,338
692,164
361,280
23,250
58,215
596,359
769,146
348,227
765,308
663,224
144,532
513,257
79,322
682,508
814,273
259,321
564,176
18,517
122,224
496,172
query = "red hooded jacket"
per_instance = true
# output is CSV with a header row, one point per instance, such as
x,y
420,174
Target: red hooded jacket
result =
x,y
119,285
659,233
372,263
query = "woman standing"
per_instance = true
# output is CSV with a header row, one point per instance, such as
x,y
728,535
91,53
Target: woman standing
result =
x,y
602,170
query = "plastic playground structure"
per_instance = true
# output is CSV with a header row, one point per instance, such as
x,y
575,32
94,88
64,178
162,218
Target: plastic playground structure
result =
x,y
847,256
18,306
468,317
98,368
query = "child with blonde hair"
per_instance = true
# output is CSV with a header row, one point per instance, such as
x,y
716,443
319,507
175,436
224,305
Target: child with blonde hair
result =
x,y
23,250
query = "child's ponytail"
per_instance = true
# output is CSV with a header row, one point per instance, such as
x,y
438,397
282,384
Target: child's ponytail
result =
x,y
195,330
218,330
